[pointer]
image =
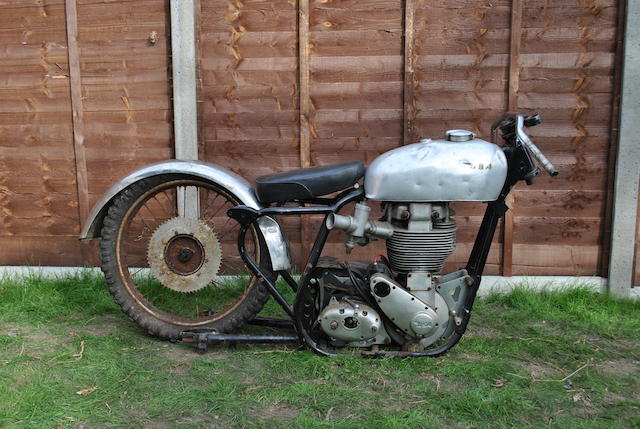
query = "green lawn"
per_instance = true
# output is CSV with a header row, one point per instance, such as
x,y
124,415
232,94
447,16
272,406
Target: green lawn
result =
x,y
70,358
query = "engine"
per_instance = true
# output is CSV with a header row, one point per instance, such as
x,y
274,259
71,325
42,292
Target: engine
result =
x,y
419,305
424,236
415,184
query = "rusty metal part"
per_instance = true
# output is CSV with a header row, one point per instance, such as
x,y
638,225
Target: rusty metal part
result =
x,y
184,254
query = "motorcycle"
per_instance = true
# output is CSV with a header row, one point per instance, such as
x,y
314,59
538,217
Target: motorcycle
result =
x,y
171,262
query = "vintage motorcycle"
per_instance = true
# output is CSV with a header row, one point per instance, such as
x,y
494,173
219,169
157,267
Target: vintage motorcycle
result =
x,y
192,251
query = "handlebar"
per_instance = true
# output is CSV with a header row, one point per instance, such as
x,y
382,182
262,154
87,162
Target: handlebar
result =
x,y
525,140
516,122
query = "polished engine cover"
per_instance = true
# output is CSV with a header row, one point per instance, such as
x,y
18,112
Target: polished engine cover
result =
x,y
438,170
417,318
350,321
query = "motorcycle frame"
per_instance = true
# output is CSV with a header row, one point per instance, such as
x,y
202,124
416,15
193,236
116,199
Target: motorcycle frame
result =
x,y
521,167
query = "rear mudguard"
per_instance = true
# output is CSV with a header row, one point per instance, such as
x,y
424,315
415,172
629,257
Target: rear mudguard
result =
x,y
237,185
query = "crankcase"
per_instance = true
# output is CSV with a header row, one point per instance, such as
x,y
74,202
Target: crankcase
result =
x,y
350,321
412,315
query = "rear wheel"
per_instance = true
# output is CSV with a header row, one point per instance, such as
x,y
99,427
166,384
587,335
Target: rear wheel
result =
x,y
170,257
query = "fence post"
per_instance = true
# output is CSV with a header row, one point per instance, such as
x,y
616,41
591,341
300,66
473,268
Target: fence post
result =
x,y
627,175
185,110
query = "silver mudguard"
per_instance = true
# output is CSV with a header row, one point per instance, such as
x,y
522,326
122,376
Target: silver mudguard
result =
x,y
235,184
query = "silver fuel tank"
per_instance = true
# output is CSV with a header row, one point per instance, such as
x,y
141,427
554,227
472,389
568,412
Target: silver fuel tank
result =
x,y
458,168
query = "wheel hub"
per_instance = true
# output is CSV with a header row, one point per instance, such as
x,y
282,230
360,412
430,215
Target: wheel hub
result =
x,y
184,254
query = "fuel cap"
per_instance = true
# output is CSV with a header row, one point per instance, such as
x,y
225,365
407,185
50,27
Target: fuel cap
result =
x,y
459,135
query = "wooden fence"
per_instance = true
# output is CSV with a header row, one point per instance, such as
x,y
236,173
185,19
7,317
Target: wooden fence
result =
x,y
85,97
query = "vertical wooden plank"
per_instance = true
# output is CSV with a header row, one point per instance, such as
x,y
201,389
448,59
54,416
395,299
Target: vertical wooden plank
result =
x,y
512,106
75,86
409,85
303,70
305,108
514,54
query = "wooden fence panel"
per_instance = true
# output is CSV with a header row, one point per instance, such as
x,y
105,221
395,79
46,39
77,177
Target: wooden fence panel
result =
x,y
38,199
125,87
250,85
250,95
363,97
567,59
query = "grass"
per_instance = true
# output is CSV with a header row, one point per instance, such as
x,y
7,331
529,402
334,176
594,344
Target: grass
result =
x,y
516,367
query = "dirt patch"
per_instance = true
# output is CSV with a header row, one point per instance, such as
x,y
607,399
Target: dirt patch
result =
x,y
248,369
440,382
619,367
10,330
547,327
37,341
626,344
276,411
470,357
205,420
180,360
178,354
81,425
101,326
157,424
483,332
538,370
42,338
610,398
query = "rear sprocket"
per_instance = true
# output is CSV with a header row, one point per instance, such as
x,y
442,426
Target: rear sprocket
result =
x,y
184,254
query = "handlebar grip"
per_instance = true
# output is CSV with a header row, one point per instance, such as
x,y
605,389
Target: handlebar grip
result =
x,y
526,141
544,162
533,120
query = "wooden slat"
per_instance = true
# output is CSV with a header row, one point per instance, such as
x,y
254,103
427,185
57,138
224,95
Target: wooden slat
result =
x,y
305,110
512,105
514,54
75,85
409,84
303,70
46,249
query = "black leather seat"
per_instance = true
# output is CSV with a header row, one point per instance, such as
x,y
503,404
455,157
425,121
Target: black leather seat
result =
x,y
307,183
